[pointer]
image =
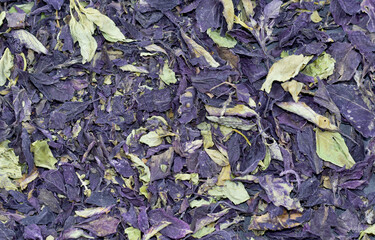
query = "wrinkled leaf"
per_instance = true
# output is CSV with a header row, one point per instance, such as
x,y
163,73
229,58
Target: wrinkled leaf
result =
x,y
133,233
152,139
30,41
285,69
322,67
278,192
232,122
9,167
268,222
43,156
102,226
217,157
132,68
6,64
155,229
331,147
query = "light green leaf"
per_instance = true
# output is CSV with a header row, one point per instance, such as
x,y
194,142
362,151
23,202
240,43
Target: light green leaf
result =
x,y
133,233
9,167
193,177
6,64
369,230
25,7
248,6
322,67
132,68
226,41
235,192
217,157
315,17
108,28
199,51
199,203
30,41
285,69
2,17
83,35
152,231
204,231
152,139
43,156
167,74
76,233
331,147
228,13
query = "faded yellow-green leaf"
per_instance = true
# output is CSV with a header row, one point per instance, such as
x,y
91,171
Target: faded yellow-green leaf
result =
x,y
2,17
217,157
133,233
144,170
152,139
83,35
303,110
206,134
199,50
285,69
30,41
193,177
157,227
294,88
167,74
132,68
315,17
322,67
89,212
43,156
200,203
226,41
228,13
6,64
248,6
204,231
108,28
9,167
234,191
24,7
331,147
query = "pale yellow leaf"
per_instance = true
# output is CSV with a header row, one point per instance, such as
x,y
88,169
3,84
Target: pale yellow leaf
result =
x,y
285,69
199,50
30,41
294,88
2,17
315,17
6,64
217,157
303,110
228,13
132,68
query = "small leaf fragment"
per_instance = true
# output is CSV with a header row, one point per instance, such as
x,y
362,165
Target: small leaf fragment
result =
x,y
234,191
315,17
6,64
133,233
167,74
322,67
285,69
43,156
152,139
294,88
2,17
331,147
132,68
9,167
226,41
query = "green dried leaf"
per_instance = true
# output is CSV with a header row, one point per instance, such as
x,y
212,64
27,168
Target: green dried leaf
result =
x,y
235,192
206,134
294,88
226,41
217,157
285,69
369,230
232,122
152,139
204,231
30,41
167,74
82,34
199,50
108,28
24,7
43,156
2,17
144,170
193,177
9,167
133,233
6,64
322,67
331,147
